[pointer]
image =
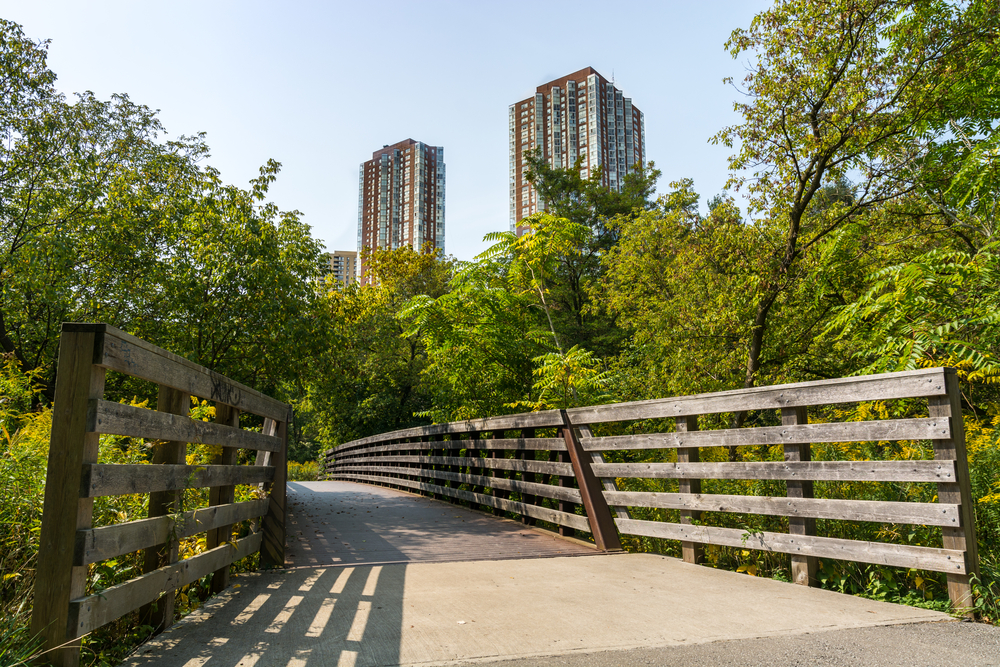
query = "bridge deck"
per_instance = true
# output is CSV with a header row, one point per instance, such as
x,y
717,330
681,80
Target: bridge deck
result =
x,y
372,609
343,523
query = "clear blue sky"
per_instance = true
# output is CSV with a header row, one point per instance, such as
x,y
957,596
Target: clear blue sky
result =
x,y
318,86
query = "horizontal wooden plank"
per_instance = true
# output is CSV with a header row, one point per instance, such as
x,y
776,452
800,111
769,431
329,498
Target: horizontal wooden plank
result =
x,y
924,428
931,514
896,555
566,493
99,544
545,419
887,386
513,444
89,613
536,511
133,356
117,480
520,465
844,471
118,419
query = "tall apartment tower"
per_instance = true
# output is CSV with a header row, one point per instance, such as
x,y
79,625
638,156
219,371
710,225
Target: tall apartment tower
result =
x,y
401,198
581,115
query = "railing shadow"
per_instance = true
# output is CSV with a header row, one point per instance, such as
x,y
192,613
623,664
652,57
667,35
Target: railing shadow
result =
x,y
345,617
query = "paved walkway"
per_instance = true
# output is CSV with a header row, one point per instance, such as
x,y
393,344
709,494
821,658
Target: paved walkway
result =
x,y
344,523
383,600
467,612
905,645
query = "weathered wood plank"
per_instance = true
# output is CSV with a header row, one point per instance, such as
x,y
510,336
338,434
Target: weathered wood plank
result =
x,y
549,491
602,525
844,471
71,447
97,544
528,476
117,480
90,613
889,429
133,356
500,423
959,491
160,614
529,465
803,568
931,514
517,444
887,386
272,553
921,558
692,552
119,419
225,415
535,511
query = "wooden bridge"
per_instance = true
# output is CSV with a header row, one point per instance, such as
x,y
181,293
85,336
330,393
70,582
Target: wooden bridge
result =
x,y
493,538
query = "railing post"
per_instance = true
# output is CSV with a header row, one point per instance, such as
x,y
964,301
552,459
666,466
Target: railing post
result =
x,y
472,452
435,451
160,614
691,551
272,552
962,538
602,525
455,451
803,567
222,495
528,454
497,472
565,481
57,580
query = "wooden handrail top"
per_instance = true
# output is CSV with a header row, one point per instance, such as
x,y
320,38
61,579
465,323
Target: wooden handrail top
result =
x,y
125,353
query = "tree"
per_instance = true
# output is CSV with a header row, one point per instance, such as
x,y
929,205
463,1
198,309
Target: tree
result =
x,y
481,338
834,89
236,291
587,203
102,220
368,376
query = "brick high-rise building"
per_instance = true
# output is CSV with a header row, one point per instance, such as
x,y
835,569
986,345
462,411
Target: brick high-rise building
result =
x,y
582,115
401,198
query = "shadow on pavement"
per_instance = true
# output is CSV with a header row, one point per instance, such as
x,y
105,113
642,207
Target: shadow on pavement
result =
x,y
344,617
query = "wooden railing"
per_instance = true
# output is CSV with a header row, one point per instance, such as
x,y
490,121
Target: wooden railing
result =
x,y
69,543
429,460
441,459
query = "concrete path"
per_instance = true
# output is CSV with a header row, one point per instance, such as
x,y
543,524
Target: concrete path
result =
x,y
485,611
909,645
344,523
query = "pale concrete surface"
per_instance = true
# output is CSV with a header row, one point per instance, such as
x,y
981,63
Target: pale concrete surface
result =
x,y
909,645
469,612
345,523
